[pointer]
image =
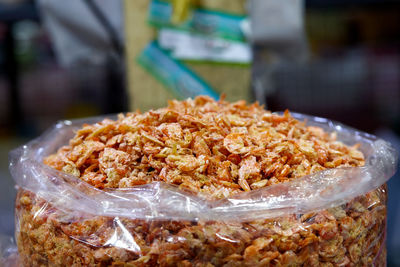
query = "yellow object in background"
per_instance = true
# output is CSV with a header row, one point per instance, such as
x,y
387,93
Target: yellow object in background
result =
x,y
145,92
180,10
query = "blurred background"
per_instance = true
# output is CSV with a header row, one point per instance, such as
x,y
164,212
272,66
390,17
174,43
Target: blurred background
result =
x,y
338,59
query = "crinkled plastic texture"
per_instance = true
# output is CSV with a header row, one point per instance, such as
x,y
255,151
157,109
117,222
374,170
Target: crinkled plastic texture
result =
x,y
8,252
335,216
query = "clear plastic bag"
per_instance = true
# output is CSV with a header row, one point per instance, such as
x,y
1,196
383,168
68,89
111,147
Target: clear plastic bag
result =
x,y
334,217
8,252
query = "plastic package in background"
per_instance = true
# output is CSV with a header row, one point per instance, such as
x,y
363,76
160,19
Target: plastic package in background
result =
x,y
336,216
175,76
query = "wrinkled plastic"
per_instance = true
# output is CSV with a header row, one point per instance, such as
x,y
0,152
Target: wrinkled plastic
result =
x,y
8,252
337,215
325,189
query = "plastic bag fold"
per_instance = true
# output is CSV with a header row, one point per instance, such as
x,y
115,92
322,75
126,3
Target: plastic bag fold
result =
x,y
161,201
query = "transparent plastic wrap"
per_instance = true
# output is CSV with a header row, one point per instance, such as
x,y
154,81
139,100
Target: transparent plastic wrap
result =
x,y
336,217
8,252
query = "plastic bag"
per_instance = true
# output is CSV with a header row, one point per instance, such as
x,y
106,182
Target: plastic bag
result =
x,y
337,216
8,252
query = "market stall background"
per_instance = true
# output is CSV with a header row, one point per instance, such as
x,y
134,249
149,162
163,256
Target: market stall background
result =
x,y
353,77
